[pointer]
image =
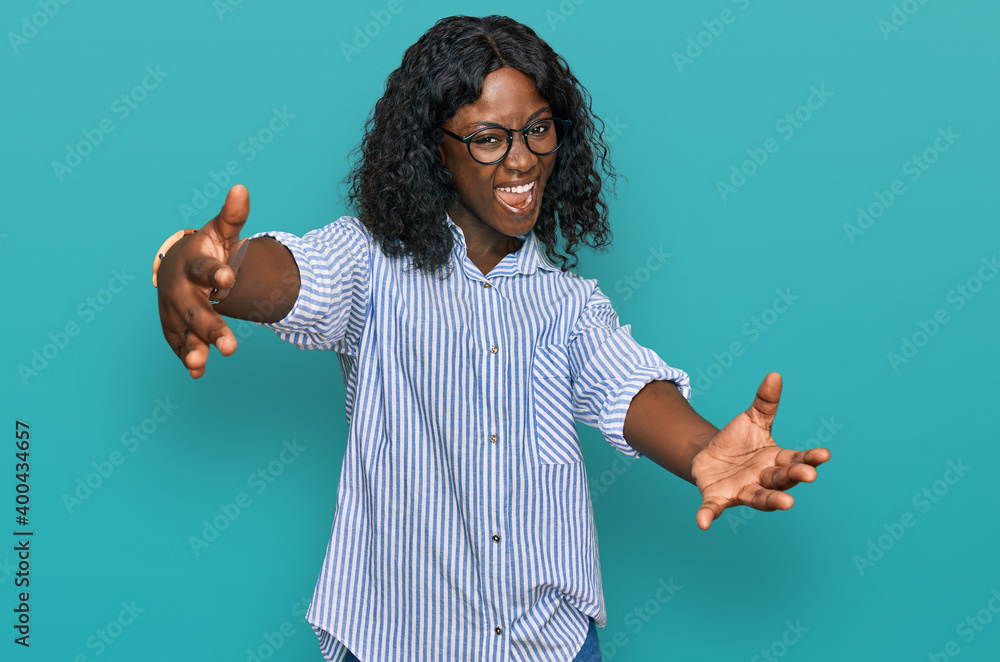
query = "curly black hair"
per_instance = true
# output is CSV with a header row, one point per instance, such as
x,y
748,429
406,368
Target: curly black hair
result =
x,y
398,186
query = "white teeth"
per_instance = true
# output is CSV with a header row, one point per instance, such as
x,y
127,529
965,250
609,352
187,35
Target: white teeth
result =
x,y
517,189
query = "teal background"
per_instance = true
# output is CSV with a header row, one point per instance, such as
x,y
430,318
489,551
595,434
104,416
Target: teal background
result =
x,y
676,133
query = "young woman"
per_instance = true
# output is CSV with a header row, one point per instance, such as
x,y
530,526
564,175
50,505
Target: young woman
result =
x,y
463,528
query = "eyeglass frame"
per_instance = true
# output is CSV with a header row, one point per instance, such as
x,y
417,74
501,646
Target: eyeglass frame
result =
x,y
510,138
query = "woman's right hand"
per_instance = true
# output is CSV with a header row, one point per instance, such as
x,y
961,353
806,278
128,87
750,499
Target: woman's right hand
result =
x,y
191,269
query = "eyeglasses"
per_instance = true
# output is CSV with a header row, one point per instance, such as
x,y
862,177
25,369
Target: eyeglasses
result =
x,y
492,144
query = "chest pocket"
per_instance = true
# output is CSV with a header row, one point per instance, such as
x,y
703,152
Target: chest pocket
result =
x,y
555,430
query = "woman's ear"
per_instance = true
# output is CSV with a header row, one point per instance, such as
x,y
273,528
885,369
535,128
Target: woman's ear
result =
x,y
440,148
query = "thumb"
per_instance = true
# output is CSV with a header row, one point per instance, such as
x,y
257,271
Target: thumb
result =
x,y
709,511
229,223
765,404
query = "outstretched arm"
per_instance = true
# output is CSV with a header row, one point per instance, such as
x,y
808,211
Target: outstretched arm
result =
x,y
198,263
739,465
664,427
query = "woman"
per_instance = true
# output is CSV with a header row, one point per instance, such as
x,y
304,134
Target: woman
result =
x,y
463,528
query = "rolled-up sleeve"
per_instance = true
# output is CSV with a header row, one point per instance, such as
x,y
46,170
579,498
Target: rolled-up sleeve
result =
x,y
334,274
609,367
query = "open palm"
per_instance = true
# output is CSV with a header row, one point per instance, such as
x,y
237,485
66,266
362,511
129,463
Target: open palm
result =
x,y
743,466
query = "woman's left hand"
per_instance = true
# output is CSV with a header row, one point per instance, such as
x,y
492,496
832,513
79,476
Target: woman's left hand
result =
x,y
743,466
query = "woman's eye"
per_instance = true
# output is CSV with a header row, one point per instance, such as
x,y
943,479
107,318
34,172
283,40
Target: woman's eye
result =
x,y
486,140
540,128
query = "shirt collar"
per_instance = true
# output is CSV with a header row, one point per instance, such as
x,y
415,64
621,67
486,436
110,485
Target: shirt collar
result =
x,y
525,260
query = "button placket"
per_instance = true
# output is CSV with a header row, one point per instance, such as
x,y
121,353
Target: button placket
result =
x,y
496,371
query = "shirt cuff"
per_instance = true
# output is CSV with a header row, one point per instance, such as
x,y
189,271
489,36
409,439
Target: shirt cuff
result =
x,y
612,418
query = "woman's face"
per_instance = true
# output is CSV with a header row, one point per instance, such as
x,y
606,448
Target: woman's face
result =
x,y
485,204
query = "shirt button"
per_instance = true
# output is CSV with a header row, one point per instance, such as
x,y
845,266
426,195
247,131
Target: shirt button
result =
x,y
494,349
487,285
493,437
496,538
499,630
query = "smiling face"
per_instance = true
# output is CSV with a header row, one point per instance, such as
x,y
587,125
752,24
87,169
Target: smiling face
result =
x,y
497,202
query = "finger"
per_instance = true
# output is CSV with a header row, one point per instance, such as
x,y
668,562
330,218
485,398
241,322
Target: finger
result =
x,y
759,497
787,477
186,347
195,355
765,404
709,511
190,331
235,210
811,456
202,320
815,456
209,272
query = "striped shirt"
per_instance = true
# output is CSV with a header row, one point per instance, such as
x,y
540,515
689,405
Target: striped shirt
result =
x,y
463,528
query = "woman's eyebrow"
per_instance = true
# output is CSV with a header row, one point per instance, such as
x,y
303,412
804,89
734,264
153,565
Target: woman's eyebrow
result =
x,y
535,115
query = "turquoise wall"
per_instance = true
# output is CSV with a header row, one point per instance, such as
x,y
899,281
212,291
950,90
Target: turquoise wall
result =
x,y
812,189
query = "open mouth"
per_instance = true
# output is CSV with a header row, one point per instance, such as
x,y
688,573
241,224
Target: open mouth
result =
x,y
517,199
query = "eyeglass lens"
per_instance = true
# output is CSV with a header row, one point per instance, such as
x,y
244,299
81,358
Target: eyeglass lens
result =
x,y
542,136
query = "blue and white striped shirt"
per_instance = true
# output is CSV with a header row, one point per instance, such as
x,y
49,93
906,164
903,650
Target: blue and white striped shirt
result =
x,y
463,528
